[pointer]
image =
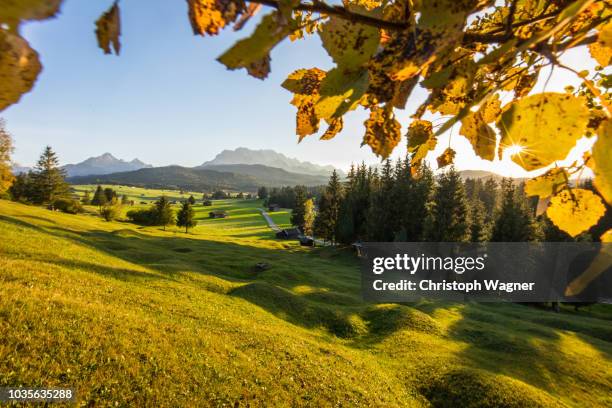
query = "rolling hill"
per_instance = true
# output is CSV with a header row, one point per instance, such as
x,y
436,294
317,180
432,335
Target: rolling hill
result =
x,y
230,177
133,316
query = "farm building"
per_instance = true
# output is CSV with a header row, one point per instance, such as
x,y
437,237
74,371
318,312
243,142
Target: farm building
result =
x,y
217,214
273,207
289,233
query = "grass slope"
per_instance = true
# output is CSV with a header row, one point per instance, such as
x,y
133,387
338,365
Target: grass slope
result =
x,y
141,316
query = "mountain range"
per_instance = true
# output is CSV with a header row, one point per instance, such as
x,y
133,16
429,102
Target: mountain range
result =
x,y
269,158
104,164
240,177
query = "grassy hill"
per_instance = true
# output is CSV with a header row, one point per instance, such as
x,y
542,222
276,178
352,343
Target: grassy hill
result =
x,y
229,177
135,316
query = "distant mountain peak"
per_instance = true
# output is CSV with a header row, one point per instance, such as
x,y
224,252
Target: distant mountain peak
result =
x,y
271,158
103,164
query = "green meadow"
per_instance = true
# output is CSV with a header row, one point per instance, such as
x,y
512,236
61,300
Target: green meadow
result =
x,y
141,316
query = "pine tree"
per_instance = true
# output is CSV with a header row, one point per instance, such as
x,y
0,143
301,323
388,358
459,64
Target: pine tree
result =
x,y
191,200
6,148
125,200
326,220
515,221
309,216
449,220
299,210
382,217
99,197
86,200
185,217
479,227
23,188
262,193
412,198
49,178
111,195
164,215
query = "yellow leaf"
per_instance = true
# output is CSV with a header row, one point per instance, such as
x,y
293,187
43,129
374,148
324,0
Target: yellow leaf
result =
x,y
602,163
601,50
211,16
446,158
349,44
13,12
545,125
270,31
307,122
607,236
576,211
19,68
335,127
383,131
490,109
340,92
480,135
547,184
421,141
108,30
304,81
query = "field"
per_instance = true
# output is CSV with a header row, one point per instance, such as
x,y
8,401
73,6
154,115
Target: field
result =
x,y
139,316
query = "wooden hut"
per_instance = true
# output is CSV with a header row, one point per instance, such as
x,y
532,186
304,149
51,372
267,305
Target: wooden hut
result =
x,y
217,214
289,233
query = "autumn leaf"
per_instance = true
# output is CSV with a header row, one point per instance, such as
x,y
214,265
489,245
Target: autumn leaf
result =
x,y
108,30
447,157
481,136
383,131
335,127
349,44
253,49
19,68
601,50
340,92
545,125
211,16
602,164
547,184
421,140
575,211
305,85
13,12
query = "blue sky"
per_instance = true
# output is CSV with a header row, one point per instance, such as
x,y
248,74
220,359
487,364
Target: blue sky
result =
x,y
166,100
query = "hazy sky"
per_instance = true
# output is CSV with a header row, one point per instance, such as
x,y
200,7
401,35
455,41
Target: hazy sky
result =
x,y
166,100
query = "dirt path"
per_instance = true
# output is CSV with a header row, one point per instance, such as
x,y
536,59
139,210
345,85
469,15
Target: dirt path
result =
x,y
270,221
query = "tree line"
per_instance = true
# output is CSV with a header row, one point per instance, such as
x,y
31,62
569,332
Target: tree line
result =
x,y
392,204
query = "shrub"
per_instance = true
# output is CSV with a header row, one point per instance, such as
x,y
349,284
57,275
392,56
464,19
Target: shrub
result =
x,y
110,212
207,203
142,216
68,205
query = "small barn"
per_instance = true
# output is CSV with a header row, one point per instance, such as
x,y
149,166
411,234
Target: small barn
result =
x,y
273,207
289,233
307,241
217,214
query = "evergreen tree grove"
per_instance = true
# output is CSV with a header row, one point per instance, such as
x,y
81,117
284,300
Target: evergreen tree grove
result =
x,y
449,220
299,211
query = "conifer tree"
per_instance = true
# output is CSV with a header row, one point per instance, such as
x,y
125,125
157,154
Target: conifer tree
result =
x,y
515,221
412,198
164,215
479,227
299,210
185,216
326,220
99,197
125,200
49,180
382,217
262,193
191,200
449,220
